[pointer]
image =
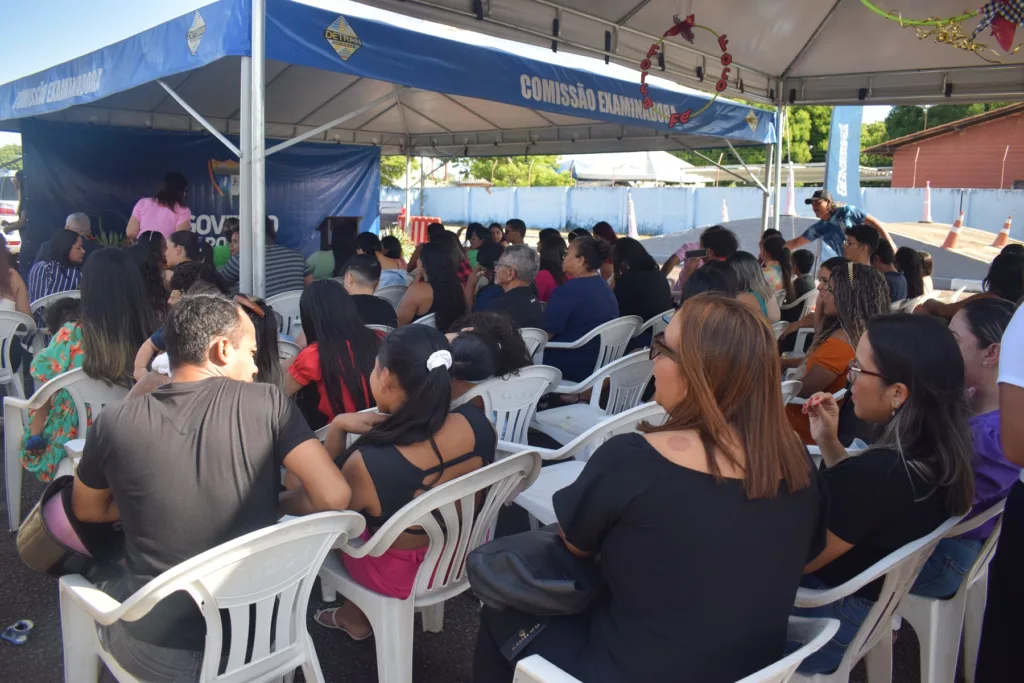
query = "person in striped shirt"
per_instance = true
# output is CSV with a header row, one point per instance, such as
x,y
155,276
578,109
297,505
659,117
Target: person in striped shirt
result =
x,y
285,269
61,272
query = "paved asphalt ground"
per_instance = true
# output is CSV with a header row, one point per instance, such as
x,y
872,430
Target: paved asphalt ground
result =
x,y
444,657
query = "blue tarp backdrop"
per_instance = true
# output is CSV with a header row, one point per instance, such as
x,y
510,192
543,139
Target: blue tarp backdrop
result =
x,y
103,171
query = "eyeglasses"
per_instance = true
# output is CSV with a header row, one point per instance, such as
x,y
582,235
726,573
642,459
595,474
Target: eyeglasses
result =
x,y
249,305
659,348
854,370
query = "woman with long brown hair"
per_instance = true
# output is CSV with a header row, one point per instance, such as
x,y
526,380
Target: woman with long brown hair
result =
x,y
13,292
679,514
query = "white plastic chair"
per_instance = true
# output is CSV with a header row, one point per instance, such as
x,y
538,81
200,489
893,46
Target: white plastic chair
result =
x,y
656,325
790,388
40,340
393,294
443,573
536,339
86,393
814,633
780,297
873,641
287,350
908,305
286,306
957,294
13,325
271,570
511,402
800,343
939,623
627,378
571,458
386,329
428,319
614,336
778,328
805,303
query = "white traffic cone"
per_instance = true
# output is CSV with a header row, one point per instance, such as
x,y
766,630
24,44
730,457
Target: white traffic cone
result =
x,y
725,212
927,218
790,192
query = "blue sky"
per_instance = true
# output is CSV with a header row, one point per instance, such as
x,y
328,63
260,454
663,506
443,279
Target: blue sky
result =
x,y
42,33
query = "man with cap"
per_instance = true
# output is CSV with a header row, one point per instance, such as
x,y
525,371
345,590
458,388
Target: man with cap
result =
x,y
833,220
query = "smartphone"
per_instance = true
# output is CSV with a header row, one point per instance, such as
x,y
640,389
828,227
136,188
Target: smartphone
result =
x,y
696,254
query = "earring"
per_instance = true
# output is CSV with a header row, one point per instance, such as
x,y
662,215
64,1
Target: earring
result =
x,y
895,407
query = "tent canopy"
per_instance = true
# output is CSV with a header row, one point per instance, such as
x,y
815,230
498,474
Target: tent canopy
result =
x,y
792,51
353,79
656,166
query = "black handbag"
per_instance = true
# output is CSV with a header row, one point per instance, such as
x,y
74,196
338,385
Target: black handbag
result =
x,y
533,572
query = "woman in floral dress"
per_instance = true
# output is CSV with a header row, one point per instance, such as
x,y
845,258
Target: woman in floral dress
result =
x,y
115,319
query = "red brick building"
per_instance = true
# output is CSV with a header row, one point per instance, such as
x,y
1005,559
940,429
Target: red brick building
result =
x,y
981,151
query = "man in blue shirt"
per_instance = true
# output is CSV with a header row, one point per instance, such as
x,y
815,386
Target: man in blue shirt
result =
x,y
832,222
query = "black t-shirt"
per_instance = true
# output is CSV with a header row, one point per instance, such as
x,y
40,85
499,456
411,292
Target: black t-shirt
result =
x,y
191,465
375,311
522,305
878,504
702,580
643,293
897,286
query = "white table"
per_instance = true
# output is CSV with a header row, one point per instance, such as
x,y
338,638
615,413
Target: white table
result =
x,y
537,499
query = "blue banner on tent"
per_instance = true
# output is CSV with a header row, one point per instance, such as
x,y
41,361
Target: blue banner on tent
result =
x,y
842,166
103,171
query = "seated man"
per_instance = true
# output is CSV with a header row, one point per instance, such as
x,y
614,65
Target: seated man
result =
x,y
884,261
192,465
803,282
514,273
285,270
362,274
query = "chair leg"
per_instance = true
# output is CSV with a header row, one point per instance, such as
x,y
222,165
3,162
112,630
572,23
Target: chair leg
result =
x,y
943,643
879,661
12,473
327,592
311,666
974,615
392,622
78,631
433,618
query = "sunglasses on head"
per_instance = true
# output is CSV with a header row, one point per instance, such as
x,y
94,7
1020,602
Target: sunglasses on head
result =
x,y
249,305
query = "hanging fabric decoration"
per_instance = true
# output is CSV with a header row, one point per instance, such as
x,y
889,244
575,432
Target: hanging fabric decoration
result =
x,y
1003,16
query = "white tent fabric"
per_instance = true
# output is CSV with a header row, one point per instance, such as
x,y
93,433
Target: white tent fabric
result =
x,y
660,167
791,51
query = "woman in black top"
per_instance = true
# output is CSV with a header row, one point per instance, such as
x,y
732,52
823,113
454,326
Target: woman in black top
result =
x,y
703,524
413,445
640,288
908,375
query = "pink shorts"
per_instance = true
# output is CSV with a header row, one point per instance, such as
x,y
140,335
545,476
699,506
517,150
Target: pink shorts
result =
x,y
60,526
392,574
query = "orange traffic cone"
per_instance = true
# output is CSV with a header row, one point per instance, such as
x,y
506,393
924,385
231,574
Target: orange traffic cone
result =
x,y
1004,235
954,233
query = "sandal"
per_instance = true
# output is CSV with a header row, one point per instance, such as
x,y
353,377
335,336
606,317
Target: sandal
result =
x,y
17,633
334,625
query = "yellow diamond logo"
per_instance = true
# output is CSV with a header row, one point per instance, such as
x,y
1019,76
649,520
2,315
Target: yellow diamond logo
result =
x,y
342,38
752,121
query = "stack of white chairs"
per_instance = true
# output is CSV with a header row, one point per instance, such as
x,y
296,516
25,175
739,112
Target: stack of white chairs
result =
x,y
614,336
510,403
267,573
286,307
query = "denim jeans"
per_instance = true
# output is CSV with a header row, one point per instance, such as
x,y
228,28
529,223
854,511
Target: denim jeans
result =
x,y
946,568
850,612
146,662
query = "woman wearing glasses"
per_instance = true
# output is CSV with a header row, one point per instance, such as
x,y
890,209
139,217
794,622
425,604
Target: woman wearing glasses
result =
x,y
725,456
909,376
850,295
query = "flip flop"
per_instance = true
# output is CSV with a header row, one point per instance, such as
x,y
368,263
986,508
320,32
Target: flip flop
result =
x,y
334,624
17,633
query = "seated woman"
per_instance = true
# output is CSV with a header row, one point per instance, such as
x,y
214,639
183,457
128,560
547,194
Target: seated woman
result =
x,y
851,295
481,289
477,235
577,307
724,453
182,247
603,230
927,266
978,329
754,289
552,252
152,273
392,267
13,292
640,288
62,274
502,339
115,320
908,375
1005,280
415,444
778,265
338,359
713,276
437,289
908,261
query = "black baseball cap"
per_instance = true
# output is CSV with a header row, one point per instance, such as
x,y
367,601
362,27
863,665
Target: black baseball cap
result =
x,y
820,194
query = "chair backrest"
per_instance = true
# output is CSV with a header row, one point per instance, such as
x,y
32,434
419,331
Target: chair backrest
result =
x,y
656,325
615,336
812,633
428,319
381,328
625,422
286,306
286,349
269,572
536,339
42,302
393,294
988,548
466,524
957,294
908,305
11,323
780,297
790,388
779,327
86,393
805,302
627,378
900,569
511,402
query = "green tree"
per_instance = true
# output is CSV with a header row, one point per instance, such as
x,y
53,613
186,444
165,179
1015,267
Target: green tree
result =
x,y
533,171
871,134
392,170
907,119
8,152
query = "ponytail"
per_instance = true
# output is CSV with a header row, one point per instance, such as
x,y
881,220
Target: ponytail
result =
x,y
775,246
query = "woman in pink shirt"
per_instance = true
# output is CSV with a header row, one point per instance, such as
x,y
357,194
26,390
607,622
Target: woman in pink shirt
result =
x,y
550,275
164,213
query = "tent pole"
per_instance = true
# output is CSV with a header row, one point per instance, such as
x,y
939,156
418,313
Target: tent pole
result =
x,y
257,146
331,124
764,187
408,190
716,164
767,193
423,182
196,115
780,119
245,248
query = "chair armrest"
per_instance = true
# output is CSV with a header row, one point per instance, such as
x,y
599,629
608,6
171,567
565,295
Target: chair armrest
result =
x,y
94,602
797,401
510,448
536,669
568,345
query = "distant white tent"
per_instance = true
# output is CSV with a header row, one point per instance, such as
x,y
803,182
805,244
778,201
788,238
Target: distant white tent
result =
x,y
613,167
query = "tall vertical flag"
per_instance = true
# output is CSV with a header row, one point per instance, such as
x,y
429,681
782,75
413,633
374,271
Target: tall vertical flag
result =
x,y
842,166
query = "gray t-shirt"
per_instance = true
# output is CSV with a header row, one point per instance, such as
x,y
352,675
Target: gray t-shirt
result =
x,y
192,465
